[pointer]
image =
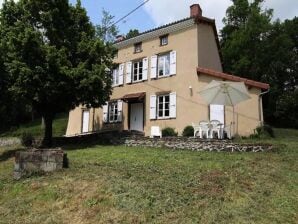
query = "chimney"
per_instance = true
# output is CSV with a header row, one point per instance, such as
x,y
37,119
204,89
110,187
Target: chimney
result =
x,y
195,10
120,38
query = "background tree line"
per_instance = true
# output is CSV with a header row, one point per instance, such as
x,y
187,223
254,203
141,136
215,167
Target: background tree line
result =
x,y
256,47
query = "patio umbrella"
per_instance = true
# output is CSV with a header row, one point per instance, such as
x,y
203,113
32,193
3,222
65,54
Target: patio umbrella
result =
x,y
225,93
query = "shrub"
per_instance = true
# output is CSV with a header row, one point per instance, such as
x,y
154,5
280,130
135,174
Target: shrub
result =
x,y
169,132
263,131
188,131
27,139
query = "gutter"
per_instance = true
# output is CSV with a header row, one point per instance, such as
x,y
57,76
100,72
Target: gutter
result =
x,y
261,114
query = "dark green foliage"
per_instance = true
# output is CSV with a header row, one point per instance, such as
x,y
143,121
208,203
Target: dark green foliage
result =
x,y
132,33
169,132
52,57
263,132
256,48
27,139
188,131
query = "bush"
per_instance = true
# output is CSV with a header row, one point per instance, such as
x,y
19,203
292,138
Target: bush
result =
x,y
27,139
169,132
188,131
263,131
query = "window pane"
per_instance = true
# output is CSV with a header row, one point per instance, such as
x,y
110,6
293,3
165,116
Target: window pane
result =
x,y
160,113
167,106
167,113
161,61
167,64
160,99
167,98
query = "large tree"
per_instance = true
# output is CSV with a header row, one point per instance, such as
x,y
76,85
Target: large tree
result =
x,y
254,47
54,60
246,26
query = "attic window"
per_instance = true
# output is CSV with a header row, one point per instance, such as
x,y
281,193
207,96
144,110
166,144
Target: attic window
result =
x,y
164,40
138,47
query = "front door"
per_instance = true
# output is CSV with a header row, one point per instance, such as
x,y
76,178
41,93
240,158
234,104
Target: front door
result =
x,y
136,117
85,123
217,112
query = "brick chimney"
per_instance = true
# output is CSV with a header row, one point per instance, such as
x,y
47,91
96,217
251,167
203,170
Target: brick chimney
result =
x,y
120,38
195,10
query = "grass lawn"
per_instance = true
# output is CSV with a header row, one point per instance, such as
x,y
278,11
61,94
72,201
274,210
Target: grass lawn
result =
x,y
106,184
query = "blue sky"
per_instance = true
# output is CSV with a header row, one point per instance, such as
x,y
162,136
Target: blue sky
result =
x,y
140,20
159,12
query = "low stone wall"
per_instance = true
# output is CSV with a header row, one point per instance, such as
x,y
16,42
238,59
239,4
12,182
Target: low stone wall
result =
x,y
38,160
195,144
4,142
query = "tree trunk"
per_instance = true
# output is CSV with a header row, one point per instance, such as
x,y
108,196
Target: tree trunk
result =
x,y
48,131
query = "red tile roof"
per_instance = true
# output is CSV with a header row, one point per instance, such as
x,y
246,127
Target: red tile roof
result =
x,y
234,78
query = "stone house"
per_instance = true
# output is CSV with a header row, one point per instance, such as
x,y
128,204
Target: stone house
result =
x,y
158,76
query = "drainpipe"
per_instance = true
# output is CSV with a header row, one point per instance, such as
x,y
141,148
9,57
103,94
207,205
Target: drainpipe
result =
x,y
261,115
93,123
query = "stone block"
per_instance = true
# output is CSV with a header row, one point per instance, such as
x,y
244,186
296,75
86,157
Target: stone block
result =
x,y
36,160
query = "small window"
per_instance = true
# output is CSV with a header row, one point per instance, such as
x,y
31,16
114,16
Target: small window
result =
x,y
164,40
113,112
138,47
163,65
163,106
137,72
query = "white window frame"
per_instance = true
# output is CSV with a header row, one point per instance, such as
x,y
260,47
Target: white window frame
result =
x,y
163,106
166,57
139,74
113,112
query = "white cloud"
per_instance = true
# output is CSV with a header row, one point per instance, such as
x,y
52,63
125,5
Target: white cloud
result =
x,y
2,1
166,11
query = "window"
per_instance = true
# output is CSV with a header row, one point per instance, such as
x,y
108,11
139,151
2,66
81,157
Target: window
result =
x,y
164,40
138,47
163,106
113,112
115,77
137,72
163,65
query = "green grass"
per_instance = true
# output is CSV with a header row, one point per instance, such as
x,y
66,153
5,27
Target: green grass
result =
x,y
59,128
106,184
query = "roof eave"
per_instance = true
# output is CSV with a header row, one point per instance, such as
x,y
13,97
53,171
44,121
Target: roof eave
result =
x,y
225,76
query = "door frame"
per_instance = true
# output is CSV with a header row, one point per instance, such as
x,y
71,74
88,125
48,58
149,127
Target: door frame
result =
x,y
129,113
82,120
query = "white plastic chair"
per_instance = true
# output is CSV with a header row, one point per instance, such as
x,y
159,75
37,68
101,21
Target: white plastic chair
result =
x,y
196,128
155,132
204,128
215,126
